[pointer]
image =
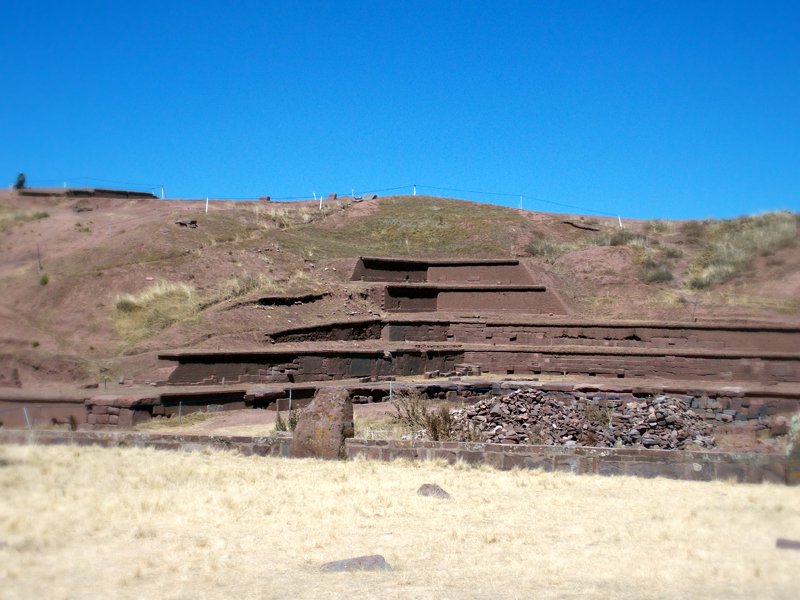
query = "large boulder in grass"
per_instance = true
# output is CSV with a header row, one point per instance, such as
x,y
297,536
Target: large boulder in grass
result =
x,y
324,425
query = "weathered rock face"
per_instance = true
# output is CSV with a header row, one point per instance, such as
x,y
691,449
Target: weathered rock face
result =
x,y
324,425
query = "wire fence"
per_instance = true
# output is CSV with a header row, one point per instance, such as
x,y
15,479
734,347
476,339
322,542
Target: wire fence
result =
x,y
412,188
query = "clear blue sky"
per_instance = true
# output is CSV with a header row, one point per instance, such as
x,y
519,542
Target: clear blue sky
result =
x,y
644,109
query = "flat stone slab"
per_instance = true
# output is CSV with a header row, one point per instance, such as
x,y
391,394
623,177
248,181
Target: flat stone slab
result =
x,y
431,489
373,562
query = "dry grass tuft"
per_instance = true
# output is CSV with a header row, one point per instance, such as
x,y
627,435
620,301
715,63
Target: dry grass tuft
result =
x,y
728,247
422,416
242,286
10,217
542,247
129,523
140,316
658,226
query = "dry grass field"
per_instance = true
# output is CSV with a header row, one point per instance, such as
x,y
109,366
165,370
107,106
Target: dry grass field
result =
x,y
127,523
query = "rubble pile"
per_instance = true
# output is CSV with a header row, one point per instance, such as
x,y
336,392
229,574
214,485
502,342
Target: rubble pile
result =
x,y
530,416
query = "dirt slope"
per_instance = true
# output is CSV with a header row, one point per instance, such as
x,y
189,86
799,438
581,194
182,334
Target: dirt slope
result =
x,y
71,327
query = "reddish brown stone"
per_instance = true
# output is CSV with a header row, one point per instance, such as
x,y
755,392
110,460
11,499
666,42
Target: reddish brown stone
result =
x,y
324,425
793,462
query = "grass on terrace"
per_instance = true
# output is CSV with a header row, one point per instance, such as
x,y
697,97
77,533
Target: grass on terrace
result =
x,y
414,225
129,523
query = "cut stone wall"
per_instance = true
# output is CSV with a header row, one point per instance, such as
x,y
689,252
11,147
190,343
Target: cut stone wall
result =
x,y
491,271
432,298
696,336
248,446
693,466
592,362
335,332
326,365
42,413
209,369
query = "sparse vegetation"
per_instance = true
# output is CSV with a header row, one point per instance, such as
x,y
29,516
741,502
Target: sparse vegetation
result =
x,y
10,217
658,226
413,225
551,250
243,285
290,424
419,414
728,247
140,316
653,272
280,424
671,253
693,231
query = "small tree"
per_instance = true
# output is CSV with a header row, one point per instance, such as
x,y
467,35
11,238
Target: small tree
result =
x,y
20,184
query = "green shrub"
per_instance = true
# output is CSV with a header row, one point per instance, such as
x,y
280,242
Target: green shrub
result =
x,y
44,280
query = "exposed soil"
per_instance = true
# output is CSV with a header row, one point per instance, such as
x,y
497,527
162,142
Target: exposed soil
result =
x,y
64,331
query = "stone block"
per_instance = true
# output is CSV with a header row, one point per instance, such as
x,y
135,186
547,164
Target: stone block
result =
x,y
792,465
324,425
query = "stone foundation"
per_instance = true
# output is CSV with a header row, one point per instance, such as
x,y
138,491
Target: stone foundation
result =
x,y
693,466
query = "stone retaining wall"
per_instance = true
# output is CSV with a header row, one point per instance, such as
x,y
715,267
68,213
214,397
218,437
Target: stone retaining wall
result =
x,y
310,364
259,446
693,466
